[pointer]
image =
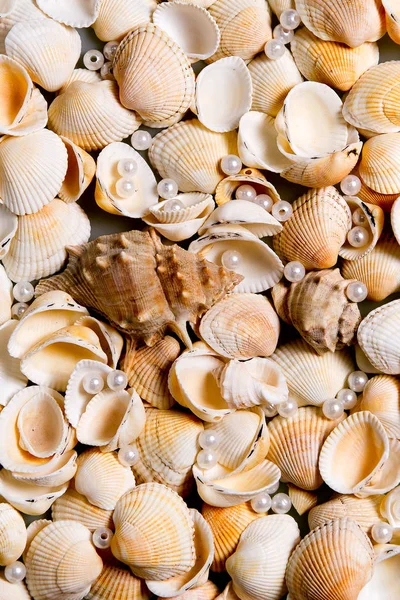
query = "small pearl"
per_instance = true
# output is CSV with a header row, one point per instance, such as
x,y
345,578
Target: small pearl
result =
x,y
19,309
231,260
264,201
359,217
382,533
288,409
125,188
357,381
290,19
23,291
128,456
356,291
273,488
127,167
209,439
282,211
261,503
281,504
102,537
231,164
350,185
106,71
333,409
274,49
294,271
206,459
246,192
348,398
167,188
173,205
141,140
93,60
358,237
110,49
269,410
15,572
117,381
283,35
93,384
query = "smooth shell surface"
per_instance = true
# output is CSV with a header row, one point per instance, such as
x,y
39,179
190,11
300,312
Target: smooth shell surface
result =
x,y
71,12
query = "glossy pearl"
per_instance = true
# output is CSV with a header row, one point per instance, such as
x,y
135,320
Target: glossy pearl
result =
x,y
102,537
282,211
382,533
290,19
274,49
281,504
357,381
110,49
348,398
128,456
23,291
356,291
264,201
350,185
127,167
246,192
294,271
19,309
117,381
358,237
287,409
261,503
106,71
231,259
359,217
283,35
209,439
273,488
173,205
15,572
167,188
93,384
93,60
125,188
206,459
269,410
141,140
333,409
231,164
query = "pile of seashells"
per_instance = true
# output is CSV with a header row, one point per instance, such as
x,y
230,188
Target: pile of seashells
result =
x,y
163,407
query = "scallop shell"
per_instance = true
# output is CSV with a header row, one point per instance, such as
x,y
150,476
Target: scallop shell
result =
x,y
392,19
12,380
8,228
73,506
80,172
241,326
12,535
321,219
379,164
32,529
302,500
377,336
152,552
389,507
71,12
207,591
117,17
384,583
6,296
118,583
264,549
381,396
246,214
16,591
342,555
191,154
365,511
28,498
24,10
161,91
226,188
278,6
111,341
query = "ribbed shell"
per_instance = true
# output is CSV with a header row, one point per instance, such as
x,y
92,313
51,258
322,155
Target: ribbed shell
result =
x,y
380,165
363,510
73,506
117,583
207,591
226,188
302,500
117,17
71,12
381,396
12,535
24,10
379,339
278,6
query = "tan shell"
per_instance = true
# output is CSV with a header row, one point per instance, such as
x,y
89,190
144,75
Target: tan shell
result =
x,y
392,19
12,535
377,336
366,194
111,341
207,591
117,17
12,380
28,498
363,510
73,506
80,172
118,583
395,219
302,500
379,163
8,227
381,396
226,188
6,296
278,6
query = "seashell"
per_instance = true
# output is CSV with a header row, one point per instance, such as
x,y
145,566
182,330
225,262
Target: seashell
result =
x,y
62,560
184,223
332,63
12,535
366,194
395,219
259,265
12,380
350,24
190,26
160,91
107,175
151,552
343,546
8,228
28,498
278,6
71,12
16,591
48,50
381,396
167,449
365,511
230,81
6,7
24,10
32,169
117,582
392,19
111,260
264,549
321,219
58,471
102,479
207,591
384,582
363,363
379,165
117,17
32,529
389,507
80,172
110,340
6,296
72,506
228,593
377,336
245,27
191,154
302,500
226,188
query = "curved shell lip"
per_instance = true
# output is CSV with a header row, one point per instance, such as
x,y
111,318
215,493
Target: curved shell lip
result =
x,y
375,218
28,498
375,344
8,7
395,219
11,378
194,205
111,341
58,471
85,169
226,187
8,229
71,12
246,214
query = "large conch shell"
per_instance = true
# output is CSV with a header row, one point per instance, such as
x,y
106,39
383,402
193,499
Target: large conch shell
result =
x,y
381,396
12,380
71,12
12,534
117,17
378,338
6,296
226,188
384,583
363,510
8,228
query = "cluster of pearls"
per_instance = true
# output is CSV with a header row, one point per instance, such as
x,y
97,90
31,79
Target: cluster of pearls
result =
x,y
358,237
294,271
264,201
290,19
357,381
94,384
208,440
347,397
280,503
287,409
356,291
167,189
141,140
283,34
231,164
350,185
231,259
382,533
15,572
23,293
93,60
127,168
102,537
128,455
282,211
333,408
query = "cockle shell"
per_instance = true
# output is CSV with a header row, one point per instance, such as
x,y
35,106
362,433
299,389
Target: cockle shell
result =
x,y
57,472
12,535
6,296
117,17
151,552
302,500
342,555
377,336
160,91
379,164
191,154
149,304
8,228
16,591
71,12
389,507
363,510
80,172
278,6
392,14
258,565
111,341
28,498
366,194
31,531
384,583
24,10
12,380
207,591
226,188
381,396
117,582
73,506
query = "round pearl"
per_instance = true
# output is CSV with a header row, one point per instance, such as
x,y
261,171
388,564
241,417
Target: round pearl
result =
x,y
209,439
261,503
173,205
282,211
382,533
93,384
269,410
141,140
288,409
356,291
333,409
290,19
359,217
128,456
348,398
273,488
117,381
231,260
106,71
281,504
23,291
357,381
206,459
350,185
274,49
358,237
93,60
294,271
246,192
283,35
264,201
15,572
110,49
231,164
127,167
125,188
19,309
102,537
167,188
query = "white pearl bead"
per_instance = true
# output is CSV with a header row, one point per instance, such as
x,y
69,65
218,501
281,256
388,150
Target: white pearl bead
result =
x,y
141,140
231,259
357,381
264,201
288,409
356,291
167,188
15,572
93,60
358,237
231,164
382,533
125,188
106,71
209,439
117,381
128,455
23,291
269,410
294,271
348,398
283,35
246,192
350,185
93,384
271,489
274,49
281,504
206,459
127,167
261,503
173,205
333,409
359,217
110,49
282,211
102,537
19,309
290,19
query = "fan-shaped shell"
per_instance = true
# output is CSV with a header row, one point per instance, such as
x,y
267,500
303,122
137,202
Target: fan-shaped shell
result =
x,y
28,498
73,506
302,500
366,194
8,228
363,510
12,535
377,336
117,582
71,12
117,17
12,380
226,188
80,172
24,10
6,296
379,163
381,396
278,6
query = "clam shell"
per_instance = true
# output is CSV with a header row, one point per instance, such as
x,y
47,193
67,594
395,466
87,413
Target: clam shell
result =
x,y
191,154
71,12
363,510
73,506
207,591
12,535
118,583
384,583
381,396
111,340
226,188
363,363
117,17
32,529
377,336
28,498
366,194
16,591
302,500
379,164
12,380
82,75
24,10
6,296
389,507
392,19
58,471
80,172
8,228
278,6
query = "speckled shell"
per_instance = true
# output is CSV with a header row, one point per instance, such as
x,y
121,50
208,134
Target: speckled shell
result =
x,y
379,339
363,510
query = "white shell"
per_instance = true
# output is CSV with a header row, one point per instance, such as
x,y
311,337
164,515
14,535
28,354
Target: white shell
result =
x,y
389,507
8,228
28,498
385,583
76,398
379,339
24,10
111,340
117,17
7,6
395,219
374,224
6,296
76,13
80,172
12,380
